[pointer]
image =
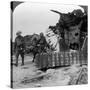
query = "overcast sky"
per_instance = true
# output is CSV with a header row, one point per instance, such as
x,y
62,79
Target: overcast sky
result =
x,y
35,17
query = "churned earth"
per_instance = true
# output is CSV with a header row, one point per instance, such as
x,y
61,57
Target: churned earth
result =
x,y
30,76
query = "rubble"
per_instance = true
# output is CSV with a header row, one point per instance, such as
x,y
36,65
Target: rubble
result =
x,y
80,78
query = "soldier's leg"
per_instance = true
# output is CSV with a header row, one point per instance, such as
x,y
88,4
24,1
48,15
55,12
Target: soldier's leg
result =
x,y
22,56
17,55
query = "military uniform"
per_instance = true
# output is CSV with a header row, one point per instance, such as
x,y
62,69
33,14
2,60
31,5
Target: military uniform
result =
x,y
19,48
42,42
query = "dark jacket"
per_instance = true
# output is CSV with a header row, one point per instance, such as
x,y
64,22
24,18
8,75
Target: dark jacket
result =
x,y
19,43
42,41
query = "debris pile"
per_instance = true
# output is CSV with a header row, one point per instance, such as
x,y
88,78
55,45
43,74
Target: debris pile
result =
x,y
73,75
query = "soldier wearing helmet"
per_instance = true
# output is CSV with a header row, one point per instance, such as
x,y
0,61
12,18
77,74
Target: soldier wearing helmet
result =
x,y
42,42
19,47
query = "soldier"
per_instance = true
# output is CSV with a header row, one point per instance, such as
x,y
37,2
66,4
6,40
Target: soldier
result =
x,y
42,42
19,47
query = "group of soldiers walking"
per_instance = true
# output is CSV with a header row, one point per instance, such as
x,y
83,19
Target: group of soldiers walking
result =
x,y
19,46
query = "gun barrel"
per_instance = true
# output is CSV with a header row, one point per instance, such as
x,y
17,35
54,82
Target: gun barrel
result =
x,y
56,12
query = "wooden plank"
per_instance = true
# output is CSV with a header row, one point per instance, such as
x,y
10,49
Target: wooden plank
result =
x,y
55,59
50,59
62,61
77,57
76,62
37,60
59,57
72,58
44,61
80,57
84,58
65,59
41,61
69,63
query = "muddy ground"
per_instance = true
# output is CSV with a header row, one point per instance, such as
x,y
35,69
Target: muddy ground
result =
x,y
30,76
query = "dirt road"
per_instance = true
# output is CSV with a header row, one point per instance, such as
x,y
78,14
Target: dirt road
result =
x,y
29,75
